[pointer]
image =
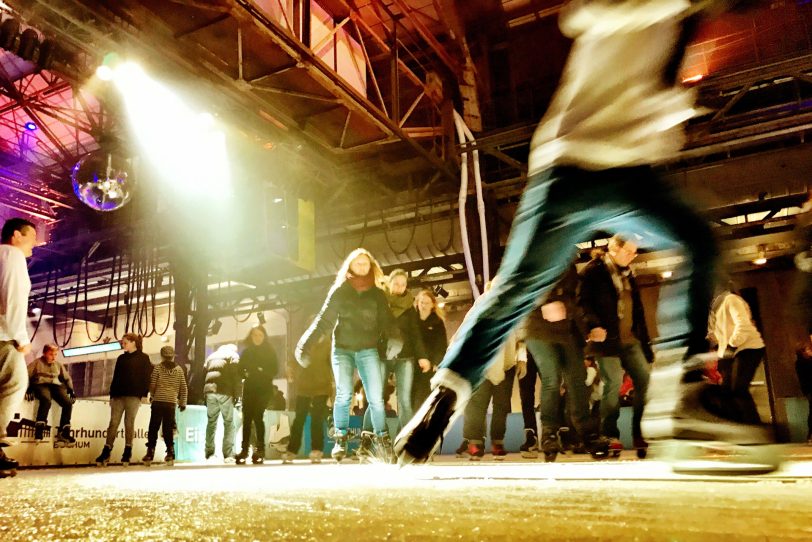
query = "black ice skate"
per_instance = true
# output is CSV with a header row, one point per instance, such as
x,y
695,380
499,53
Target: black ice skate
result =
x,y
241,457
39,431
8,466
462,451
529,449
690,421
364,453
258,458
64,438
126,457
420,438
169,458
148,457
597,446
104,457
550,445
339,448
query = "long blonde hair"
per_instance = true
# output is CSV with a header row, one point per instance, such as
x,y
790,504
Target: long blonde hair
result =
x,y
435,308
375,267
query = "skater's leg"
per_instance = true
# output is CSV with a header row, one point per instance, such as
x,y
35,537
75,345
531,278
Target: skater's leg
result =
x,y
303,403
501,406
227,410
556,212
259,423
318,413
386,369
574,374
612,376
168,425
60,395
527,393
635,363
745,364
343,368
369,369
116,412
546,356
131,406
404,376
212,415
42,392
13,382
473,427
155,420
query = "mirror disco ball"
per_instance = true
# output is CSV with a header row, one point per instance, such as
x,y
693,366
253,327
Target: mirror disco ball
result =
x,y
101,181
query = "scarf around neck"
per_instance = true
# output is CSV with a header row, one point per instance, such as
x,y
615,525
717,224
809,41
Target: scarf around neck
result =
x,y
620,278
362,283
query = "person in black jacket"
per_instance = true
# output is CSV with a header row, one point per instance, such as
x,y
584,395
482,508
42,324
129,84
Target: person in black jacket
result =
x,y
554,337
258,366
130,384
435,339
803,368
617,333
358,315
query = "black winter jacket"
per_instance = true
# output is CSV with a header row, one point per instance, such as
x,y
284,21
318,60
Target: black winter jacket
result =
x,y
803,368
258,365
357,320
132,375
565,331
598,299
434,335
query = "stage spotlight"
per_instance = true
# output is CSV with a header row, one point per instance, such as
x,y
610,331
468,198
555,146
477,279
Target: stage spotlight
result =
x,y
261,318
175,152
440,291
667,274
761,259
105,73
30,126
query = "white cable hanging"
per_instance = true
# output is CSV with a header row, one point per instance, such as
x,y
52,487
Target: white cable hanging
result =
x,y
466,136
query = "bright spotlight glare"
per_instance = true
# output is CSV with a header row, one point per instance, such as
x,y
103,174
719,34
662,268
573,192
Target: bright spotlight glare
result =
x,y
105,73
186,148
667,274
760,261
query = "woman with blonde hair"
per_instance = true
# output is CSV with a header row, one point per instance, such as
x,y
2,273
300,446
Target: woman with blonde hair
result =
x,y
431,323
357,314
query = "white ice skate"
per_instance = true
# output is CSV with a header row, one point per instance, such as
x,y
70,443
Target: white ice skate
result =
x,y
692,439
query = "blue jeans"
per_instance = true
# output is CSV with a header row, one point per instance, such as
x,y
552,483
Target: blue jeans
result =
x,y
563,206
217,404
556,361
404,376
368,364
634,362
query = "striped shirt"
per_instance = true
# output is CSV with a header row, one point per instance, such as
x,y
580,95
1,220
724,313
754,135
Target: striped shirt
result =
x,y
168,385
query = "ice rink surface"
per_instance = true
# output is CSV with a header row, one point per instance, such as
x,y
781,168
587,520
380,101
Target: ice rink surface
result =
x,y
450,499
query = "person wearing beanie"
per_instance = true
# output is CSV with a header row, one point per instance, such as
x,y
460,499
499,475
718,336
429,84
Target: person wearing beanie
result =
x,y
167,389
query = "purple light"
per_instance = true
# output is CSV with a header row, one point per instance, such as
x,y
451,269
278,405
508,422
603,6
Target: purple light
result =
x,y
30,126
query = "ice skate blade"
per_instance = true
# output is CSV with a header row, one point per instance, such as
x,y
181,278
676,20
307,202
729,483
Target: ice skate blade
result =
x,y
667,428
722,458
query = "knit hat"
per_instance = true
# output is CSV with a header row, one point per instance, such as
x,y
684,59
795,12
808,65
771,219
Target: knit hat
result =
x,y
167,353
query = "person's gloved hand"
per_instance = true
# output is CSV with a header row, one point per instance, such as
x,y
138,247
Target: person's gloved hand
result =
x,y
72,396
182,408
393,348
29,396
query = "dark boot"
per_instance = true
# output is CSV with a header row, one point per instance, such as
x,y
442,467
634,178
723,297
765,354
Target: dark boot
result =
x,y
598,446
127,455
529,449
550,445
242,456
104,457
39,430
259,457
148,457
64,435
418,441
169,458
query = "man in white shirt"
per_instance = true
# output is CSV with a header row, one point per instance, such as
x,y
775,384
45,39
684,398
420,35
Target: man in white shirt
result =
x,y
18,239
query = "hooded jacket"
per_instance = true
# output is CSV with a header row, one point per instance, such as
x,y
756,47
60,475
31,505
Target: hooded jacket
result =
x,y
222,371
